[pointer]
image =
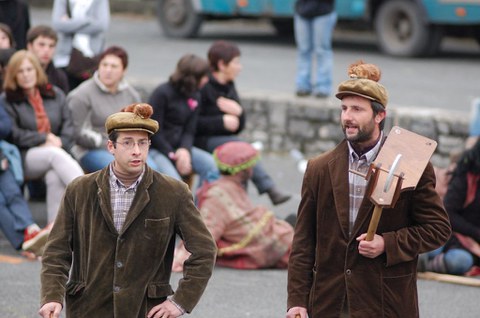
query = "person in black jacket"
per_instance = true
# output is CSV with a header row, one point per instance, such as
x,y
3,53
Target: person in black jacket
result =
x,y
42,41
222,118
462,202
16,15
175,104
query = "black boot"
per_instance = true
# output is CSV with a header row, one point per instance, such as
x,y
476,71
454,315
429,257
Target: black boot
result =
x,y
291,219
277,197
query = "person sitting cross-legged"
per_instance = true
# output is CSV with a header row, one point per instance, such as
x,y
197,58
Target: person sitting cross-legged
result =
x,y
248,236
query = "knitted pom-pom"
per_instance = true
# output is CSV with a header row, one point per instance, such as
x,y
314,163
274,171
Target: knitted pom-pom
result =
x,y
142,110
361,69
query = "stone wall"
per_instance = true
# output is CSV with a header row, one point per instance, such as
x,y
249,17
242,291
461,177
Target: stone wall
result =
x,y
283,122
313,126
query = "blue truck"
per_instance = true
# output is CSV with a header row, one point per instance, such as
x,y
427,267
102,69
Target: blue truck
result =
x,y
402,27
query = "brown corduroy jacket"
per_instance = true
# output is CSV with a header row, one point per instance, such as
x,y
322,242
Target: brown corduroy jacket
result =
x,y
325,267
102,273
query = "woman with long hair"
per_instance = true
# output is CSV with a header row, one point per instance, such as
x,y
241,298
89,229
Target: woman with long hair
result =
x,y
42,127
176,104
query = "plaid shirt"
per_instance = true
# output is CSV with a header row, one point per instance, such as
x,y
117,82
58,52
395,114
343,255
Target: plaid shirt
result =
x,y
358,184
121,198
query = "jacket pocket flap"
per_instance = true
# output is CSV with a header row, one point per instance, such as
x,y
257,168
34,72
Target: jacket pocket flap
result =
x,y
74,287
156,290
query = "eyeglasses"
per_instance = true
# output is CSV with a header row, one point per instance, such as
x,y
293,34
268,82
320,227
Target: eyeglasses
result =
x,y
130,144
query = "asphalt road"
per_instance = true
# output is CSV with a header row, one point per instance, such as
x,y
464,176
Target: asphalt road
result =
x,y
230,293
269,67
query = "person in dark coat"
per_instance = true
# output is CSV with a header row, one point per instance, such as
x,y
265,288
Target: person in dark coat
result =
x,y
16,14
42,41
461,254
16,221
41,127
110,250
222,118
333,270
176,104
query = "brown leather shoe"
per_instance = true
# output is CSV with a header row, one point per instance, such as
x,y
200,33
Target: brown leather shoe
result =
x,y
277,197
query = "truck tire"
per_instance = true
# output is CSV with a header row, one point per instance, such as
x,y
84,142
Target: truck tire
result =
x,y
402,31
178,18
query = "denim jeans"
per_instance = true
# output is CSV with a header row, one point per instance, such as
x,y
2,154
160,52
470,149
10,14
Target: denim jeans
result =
x,y
202,164
98,159
475,119
15,215
314,39
457,261
260,178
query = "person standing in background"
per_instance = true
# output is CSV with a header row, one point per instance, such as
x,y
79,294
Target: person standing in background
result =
x,y
314,21
16,15
88,18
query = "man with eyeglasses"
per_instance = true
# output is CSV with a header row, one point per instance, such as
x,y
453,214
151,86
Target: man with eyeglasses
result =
x,y
111,248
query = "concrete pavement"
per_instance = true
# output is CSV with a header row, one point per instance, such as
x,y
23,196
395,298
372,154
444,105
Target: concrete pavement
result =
x,y
230,293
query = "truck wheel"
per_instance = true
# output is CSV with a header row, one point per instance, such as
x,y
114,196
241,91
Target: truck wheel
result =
x,y
178,18
402,31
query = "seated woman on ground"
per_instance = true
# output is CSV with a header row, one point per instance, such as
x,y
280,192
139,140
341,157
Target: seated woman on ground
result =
x,y
107,92
16,221
461,254
222,118
248,236
42,127
175,107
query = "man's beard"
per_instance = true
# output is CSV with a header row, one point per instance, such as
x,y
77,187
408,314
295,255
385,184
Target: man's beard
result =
x,y
363,135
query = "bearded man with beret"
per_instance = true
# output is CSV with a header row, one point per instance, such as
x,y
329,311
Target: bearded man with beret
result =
x,y
111,247
333,270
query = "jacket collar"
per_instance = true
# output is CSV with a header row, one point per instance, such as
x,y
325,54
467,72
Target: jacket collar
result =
x,y
142,198
18,95
121,86
338,168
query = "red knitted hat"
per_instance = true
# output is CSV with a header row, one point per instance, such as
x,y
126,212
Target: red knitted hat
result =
x,y
235,156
